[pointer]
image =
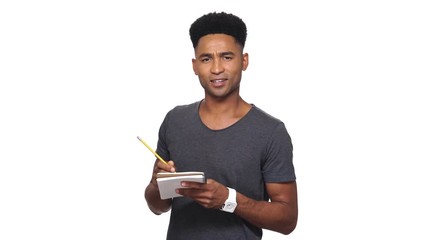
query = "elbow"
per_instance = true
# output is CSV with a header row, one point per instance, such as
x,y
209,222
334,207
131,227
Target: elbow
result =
x,y
155,204
157,211
159,207
289,225
289,229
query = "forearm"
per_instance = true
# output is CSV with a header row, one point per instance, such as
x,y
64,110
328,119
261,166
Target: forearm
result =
x,y
276,216
156,205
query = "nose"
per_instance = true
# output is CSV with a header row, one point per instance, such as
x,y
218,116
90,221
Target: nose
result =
x,y
217,66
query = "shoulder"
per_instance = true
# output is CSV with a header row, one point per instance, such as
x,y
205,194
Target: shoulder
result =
x,y
184,109
262,115
265,123
182,115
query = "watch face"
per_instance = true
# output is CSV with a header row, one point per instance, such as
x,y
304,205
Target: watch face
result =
x,y
231,203
229,207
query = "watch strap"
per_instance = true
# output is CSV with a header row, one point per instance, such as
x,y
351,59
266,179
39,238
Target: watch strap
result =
x,y
231,203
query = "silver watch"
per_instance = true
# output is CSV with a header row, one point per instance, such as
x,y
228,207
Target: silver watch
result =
x,y
231,202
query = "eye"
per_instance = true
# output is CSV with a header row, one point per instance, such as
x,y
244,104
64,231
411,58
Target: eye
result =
x,y
227,58
205,59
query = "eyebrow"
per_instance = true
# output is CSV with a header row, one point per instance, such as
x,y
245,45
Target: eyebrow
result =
x,y
222,54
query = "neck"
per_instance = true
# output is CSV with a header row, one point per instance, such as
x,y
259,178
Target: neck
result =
x,y
221,113
227,106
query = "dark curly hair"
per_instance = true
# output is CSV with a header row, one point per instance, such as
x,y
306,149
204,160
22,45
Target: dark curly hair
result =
x,y
222,22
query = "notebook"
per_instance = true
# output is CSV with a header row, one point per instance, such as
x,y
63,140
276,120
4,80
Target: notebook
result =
x,y
168,182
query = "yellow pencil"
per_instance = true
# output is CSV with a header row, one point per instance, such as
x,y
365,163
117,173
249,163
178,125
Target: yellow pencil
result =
x,y
149,148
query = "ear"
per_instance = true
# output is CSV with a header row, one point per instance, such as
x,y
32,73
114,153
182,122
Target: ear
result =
x,y
193,61
245,61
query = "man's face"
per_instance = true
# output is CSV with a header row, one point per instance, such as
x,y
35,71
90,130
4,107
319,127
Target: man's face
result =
x,y
219,63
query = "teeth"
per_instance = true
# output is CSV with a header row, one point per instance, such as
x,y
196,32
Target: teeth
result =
x,y
216,81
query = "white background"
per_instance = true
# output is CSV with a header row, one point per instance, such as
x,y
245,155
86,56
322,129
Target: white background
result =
x,y
81,79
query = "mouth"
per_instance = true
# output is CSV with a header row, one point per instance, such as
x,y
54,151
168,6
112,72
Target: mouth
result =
x,y
218,82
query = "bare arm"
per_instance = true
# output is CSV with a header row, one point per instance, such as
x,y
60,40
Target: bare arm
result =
x,y
280,214
152,194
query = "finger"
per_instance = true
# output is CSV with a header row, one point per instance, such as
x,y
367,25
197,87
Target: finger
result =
x,y
165,167
194,185
172,165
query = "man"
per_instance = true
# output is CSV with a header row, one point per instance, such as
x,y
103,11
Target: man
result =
x,y
245,153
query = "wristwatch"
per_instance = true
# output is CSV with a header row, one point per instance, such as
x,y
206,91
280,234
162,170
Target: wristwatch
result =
x,y
231,202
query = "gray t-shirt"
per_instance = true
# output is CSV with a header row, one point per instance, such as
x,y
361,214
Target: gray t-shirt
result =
x,y
243,156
